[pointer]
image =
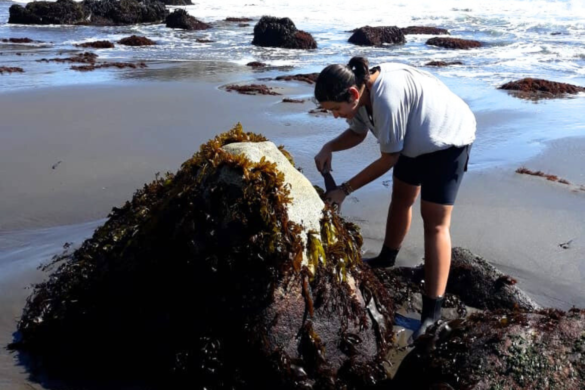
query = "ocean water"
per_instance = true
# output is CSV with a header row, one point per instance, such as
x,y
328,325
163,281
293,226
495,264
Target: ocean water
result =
x,y
537,38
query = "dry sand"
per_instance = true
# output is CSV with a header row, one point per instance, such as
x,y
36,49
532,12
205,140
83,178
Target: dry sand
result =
x,y
110,140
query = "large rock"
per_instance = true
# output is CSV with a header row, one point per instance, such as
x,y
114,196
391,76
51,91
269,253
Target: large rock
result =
x,y
500,350
181,19
44,12
275,32
90,12
530,88
377,36
230,274
454,43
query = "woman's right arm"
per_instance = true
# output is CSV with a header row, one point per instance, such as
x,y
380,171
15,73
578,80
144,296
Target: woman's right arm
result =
x,y
346,140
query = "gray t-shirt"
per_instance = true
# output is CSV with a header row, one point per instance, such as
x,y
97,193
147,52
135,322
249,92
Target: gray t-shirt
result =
x,y
414,113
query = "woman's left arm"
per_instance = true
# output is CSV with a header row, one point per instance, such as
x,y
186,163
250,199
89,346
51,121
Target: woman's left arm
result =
x,y
367,175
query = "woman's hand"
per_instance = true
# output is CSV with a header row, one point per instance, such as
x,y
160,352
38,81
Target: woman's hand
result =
x,y
336,196
323,159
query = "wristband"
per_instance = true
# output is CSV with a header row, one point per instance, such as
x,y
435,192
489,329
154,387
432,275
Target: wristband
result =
x,y
346,188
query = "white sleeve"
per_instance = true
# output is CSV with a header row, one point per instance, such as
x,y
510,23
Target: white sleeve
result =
x,y
357,125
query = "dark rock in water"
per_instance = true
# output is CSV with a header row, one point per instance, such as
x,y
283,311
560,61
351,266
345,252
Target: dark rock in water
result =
x,y
18,40
252,89
377,36
424,30
203,40
289,100
230,274
123,12
97,45
443,63
81,58
177,2
275,32
256,64
104,65
239,20
530,88
454,43
243,24
43,12
500,350
181,19
8,69
310,78
89,12
135,40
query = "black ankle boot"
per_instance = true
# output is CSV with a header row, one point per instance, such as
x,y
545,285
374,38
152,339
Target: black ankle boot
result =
x,y
385,259
431,313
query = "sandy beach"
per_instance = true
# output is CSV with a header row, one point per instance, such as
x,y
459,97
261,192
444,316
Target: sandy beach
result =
x,y
70,154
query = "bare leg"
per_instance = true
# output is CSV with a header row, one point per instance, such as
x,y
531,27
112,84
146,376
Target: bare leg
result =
x,y
437,222
400,213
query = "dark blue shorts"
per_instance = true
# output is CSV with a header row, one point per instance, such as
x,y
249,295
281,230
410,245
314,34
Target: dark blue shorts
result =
x,y
439,173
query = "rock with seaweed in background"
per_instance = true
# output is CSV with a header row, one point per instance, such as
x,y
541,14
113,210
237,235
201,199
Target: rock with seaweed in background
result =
x,y
424,30
89,12
281,32
454,43
534,89
500,350
230,274
181,19
377,36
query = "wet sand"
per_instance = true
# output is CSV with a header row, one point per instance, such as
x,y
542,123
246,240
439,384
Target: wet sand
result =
x,y
106,141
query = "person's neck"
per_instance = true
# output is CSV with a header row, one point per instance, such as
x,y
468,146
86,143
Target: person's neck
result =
x,y
365,99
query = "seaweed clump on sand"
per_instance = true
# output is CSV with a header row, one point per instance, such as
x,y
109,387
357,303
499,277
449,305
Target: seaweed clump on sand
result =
x,y
534,89
500,350
230,274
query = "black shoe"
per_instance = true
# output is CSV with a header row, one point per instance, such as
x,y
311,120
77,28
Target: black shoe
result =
x,y
431,313
386,258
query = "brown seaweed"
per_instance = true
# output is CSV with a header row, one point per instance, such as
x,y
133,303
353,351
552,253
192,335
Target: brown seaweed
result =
x,y
251,89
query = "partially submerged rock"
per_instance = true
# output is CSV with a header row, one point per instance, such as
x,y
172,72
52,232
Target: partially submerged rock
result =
x,y
251,89
256,64
97,45
289,100
422,30
89,12
443,63
104,65
377,36
82,58
530,88
9,69
281,32
231,273
135,40
500,350
309,78
18,40
454,43
181,19
238,20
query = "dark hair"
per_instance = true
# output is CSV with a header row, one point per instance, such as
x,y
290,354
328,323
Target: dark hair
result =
x,y
335,80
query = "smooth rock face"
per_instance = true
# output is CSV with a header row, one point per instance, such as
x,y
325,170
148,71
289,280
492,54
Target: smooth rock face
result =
x,y
89,12
377,36
275,32
181,19
454,43
500,350
230,274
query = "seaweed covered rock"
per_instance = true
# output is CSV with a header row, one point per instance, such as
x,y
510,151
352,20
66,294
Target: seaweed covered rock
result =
x,y
472,282
181,19
281,32
377,36
229,274
309,78
530,88
454,43
443,63
500,350
97,45
45,12
91,12
422,30
135,40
